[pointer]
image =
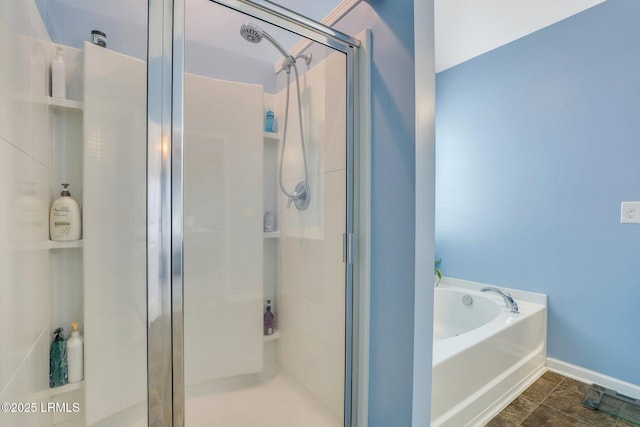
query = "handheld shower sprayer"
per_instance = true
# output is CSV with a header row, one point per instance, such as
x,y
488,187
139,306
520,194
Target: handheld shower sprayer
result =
x,y
300,196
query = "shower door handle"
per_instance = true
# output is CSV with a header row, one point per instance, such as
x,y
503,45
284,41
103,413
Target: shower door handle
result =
x,y
347,248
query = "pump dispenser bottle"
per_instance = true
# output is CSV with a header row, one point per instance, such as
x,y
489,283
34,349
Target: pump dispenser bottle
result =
x,y
75,357
58,82
64,218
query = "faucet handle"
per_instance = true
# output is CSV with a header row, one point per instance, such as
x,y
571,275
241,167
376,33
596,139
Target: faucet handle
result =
x,y
299,196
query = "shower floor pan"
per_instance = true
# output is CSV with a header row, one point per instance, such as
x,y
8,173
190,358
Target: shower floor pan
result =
x,y
279,401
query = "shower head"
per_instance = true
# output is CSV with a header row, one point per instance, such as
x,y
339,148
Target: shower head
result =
x,y
254,34
251,33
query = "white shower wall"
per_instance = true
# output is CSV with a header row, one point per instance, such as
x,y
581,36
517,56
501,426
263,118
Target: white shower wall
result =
x,y
115,303
311,300
24,203
222,224
223,198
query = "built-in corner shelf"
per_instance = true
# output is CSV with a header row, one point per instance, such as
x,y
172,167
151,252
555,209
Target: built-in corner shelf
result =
x,y
274,336
271,136
65,104
271,234
65,245
66,388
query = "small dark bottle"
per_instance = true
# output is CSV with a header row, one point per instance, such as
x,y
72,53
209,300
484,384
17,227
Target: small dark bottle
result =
x,y
269,320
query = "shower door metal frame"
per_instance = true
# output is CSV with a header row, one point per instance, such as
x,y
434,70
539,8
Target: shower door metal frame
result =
x,y
165,73
165,287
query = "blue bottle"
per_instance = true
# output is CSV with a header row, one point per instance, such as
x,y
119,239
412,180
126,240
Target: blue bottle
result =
x,y
269,122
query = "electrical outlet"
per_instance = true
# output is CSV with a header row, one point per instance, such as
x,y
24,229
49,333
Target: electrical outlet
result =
x,y
630,213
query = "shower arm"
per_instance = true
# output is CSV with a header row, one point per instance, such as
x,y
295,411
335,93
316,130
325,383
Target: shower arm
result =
x,y
288,59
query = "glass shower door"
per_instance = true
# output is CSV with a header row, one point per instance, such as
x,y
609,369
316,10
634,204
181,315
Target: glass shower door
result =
x,y
265,212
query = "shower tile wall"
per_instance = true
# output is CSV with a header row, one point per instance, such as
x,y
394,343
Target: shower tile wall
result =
x,y
312,287
24,203
114,233
223,240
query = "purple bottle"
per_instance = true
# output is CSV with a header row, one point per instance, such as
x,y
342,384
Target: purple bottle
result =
x,y
269,320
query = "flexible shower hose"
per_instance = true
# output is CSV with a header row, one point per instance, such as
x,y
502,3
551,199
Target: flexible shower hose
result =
x,y
293,194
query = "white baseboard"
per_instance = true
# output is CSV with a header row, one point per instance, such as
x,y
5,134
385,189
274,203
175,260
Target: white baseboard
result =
x,y
591,377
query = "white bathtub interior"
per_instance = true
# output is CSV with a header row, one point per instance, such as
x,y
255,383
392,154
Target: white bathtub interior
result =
x,y
457,312
478,364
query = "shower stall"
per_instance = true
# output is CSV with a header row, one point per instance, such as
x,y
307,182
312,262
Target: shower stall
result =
x,y
199,219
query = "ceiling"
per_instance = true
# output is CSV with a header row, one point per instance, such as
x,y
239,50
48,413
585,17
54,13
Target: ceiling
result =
x,y
225,33
467,28
463,28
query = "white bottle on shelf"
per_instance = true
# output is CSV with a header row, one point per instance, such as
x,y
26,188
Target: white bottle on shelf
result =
x,y
64,218
75,356
269,222
58,82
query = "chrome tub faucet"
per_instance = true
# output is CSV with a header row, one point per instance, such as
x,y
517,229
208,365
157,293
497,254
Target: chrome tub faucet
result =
x,y
506,296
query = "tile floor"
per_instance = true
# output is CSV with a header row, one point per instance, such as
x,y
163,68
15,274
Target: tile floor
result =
x,y
556,401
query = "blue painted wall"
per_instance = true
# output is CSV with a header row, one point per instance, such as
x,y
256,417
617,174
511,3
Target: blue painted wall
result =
x,y
537,143
393,207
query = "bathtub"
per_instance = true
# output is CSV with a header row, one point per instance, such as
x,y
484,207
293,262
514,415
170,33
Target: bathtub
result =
x,y
483,355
